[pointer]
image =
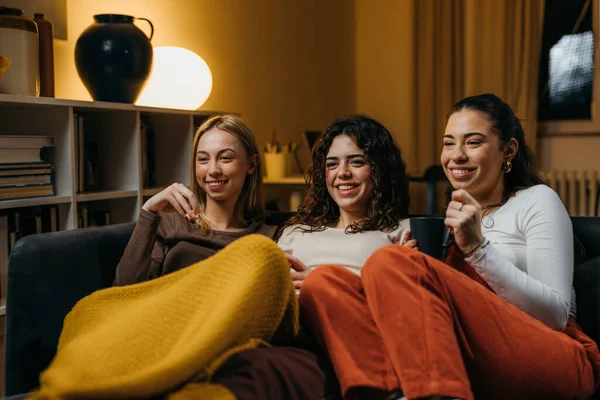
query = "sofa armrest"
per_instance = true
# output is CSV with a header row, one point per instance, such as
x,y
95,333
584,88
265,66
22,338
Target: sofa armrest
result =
x,y
587,230
47,274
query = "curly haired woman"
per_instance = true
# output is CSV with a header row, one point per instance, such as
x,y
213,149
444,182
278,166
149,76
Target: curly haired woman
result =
x,y
356,202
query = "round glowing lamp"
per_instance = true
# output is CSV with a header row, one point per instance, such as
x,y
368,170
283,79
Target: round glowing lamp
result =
x,y
179,79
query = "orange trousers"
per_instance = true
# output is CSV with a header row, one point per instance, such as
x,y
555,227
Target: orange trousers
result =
x,y
413,323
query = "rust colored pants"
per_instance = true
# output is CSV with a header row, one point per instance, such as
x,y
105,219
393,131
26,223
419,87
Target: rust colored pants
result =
x,y
413,323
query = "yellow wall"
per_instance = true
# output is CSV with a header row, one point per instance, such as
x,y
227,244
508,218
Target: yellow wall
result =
x,y
385,69
294,65
284,65
569,153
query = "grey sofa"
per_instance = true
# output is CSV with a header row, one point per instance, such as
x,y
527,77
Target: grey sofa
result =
x,y
48,273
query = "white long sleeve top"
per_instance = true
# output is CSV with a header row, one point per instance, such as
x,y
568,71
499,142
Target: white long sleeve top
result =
x,y
529,261
335,246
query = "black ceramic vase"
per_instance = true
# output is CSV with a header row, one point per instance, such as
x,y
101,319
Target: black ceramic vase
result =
x,y
114,58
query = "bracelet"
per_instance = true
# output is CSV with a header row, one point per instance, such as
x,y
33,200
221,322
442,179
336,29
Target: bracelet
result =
x,y
480,246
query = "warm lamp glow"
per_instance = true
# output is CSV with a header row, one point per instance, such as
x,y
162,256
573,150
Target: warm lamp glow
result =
x,y
179,79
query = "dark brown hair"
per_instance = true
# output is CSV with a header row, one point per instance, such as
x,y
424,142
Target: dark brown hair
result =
x,y
389,201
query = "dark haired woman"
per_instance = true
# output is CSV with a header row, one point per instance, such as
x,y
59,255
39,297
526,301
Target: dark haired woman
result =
x,y
414,326
356,202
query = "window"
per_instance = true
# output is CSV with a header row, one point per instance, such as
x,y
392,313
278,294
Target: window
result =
x,y
566,89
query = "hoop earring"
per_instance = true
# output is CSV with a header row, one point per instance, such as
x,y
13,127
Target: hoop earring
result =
x,y
506,167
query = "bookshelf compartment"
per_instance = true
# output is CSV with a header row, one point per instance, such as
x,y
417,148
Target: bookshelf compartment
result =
x,y
109,152
106,212
166,142
44,121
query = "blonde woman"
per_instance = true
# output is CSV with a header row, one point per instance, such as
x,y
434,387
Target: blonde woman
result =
x,y
190,295
179,226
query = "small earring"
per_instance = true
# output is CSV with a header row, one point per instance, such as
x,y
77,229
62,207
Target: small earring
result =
x,y
506,167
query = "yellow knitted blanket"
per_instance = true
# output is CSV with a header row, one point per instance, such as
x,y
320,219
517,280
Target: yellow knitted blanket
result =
x,y
169,334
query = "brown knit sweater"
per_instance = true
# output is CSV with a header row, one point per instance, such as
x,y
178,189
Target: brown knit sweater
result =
x,y
166,242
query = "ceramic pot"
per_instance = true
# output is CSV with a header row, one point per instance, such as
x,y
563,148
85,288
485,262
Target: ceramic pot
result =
x,y
114,58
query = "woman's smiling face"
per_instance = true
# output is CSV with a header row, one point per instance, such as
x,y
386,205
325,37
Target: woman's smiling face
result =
x,y
222,165
472,156
348,176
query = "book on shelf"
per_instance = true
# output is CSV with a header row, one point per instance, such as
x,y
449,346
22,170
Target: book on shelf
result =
x,y
25,155
22,169
4,254
148,154
26,191
88,159
25,180
79,149
25,141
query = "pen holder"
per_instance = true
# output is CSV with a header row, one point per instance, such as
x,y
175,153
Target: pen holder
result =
x,y
275,164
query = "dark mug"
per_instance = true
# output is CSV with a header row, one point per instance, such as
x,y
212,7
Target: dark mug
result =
x,y
432,236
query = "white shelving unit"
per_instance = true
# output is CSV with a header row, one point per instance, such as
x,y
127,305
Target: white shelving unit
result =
x,y
116,129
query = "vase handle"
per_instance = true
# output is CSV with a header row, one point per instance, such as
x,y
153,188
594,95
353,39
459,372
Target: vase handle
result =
x,y
151,27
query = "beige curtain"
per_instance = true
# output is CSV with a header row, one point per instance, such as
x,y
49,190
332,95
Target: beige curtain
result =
x,y
467,47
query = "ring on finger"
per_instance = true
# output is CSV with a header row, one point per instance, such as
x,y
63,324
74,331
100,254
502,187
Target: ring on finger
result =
x,y
461,206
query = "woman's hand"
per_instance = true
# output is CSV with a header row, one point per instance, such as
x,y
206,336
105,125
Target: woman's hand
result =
x,y
300,271
404,240
463,216
175,198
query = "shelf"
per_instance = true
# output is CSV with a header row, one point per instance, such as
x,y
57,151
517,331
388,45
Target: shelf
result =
x,y
107,195
96,105
34,201
152,191
117,131
287,180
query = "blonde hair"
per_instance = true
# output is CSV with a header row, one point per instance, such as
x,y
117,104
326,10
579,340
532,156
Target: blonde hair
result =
x,y
249,206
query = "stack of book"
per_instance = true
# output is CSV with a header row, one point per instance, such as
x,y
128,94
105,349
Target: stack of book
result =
x,y
25,166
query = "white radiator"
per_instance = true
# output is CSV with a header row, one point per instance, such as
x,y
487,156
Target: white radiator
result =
x,y
578,190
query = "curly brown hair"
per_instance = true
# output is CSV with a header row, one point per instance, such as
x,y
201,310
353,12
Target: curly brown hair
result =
x,y
389,201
